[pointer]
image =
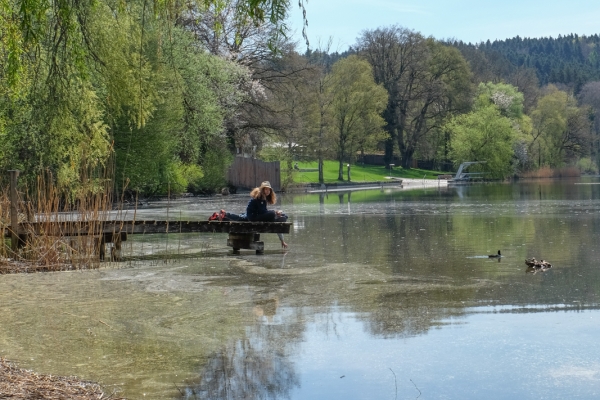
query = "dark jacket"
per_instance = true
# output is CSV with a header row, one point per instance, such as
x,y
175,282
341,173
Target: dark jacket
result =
x,y
256,208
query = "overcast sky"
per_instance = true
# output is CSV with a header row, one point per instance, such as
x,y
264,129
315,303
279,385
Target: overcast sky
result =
x,y
467,20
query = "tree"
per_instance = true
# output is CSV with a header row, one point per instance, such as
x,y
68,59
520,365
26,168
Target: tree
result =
x,y
483,135
356,101
97,82
425,79
292,108
526,81
590,97
322,61
131,63
198,92
560,129
494,132
507,98
23,23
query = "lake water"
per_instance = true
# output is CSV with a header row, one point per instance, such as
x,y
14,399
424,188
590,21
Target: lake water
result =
x,y
381,295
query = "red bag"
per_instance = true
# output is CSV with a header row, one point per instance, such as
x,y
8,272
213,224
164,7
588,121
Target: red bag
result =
x,y
218,216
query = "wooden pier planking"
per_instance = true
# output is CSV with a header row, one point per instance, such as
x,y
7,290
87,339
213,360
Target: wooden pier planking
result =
x,y
79,228
242,235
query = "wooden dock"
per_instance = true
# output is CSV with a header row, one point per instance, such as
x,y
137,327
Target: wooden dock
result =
x,y
242,235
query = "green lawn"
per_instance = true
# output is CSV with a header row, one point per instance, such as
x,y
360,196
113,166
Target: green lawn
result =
x,y
358,173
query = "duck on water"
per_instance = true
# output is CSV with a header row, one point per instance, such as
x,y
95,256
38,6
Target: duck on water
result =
x,y
533,263
499,255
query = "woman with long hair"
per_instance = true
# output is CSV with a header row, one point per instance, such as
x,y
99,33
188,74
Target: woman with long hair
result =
x,y
257,209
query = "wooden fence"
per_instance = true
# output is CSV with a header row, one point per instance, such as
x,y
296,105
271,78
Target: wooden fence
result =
x,y
249,173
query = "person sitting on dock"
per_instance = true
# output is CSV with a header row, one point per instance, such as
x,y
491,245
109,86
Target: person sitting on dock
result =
x,y
257,210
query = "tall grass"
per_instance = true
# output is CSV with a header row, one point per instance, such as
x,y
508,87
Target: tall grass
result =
x,y
547,172
4,221
48,214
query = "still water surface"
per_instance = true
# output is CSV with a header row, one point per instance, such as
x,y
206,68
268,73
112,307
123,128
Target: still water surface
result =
x,y
382,295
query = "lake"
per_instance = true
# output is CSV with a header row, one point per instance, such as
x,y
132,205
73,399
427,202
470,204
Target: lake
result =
x,y
383,294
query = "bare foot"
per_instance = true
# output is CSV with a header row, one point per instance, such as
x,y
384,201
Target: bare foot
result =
x,y
284,244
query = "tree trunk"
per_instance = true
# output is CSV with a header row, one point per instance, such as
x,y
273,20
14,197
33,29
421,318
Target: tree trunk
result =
x,y
321,180
407,157
390,118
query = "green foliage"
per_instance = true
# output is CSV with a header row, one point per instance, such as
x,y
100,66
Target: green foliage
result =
x,y
214,166
426,81
571,59
483,135
273,153
560,129
587,166
96,77
505,97
357,102
182,178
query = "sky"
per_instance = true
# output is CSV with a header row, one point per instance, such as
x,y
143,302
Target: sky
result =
x,y
467,20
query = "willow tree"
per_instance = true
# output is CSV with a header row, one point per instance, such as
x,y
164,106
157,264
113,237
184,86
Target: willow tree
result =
x,y
357,101
483,135
93,80
53,97
561,129
495,131
81,79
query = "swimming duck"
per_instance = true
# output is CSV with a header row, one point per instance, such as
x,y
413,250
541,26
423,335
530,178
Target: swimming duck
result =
x,y
495,255
530,262
533,263
544,264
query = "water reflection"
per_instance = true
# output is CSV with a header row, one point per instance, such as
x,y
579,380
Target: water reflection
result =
x,y
373,281
258,366
247,369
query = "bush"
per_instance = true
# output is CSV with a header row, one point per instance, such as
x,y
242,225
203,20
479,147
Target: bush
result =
x,y
214,167
587,166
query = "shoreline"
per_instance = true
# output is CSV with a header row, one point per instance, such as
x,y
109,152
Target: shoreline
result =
x,y
398,183
18,383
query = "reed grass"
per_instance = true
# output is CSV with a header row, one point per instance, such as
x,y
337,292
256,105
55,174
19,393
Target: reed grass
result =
x,y
4,222
44,206
83,208
547,172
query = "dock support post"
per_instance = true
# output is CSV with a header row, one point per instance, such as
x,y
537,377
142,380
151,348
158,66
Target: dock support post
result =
x,y
245,241
102,247
14,211
260,247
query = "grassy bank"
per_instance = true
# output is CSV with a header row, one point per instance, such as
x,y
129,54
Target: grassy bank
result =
x,y
358,173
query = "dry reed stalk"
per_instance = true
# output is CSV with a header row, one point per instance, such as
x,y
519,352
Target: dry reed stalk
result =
x,y
17,383
568,172
82,209
547,172
4,220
